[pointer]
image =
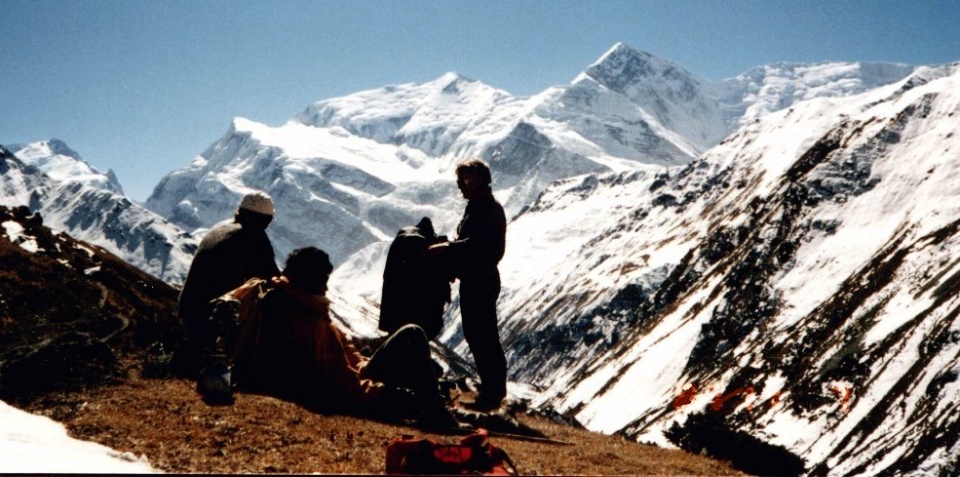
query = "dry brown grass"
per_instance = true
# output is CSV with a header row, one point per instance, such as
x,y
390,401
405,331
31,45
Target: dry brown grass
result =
x,y
164,420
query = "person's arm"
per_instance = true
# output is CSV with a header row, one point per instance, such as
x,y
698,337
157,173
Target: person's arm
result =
x,y
483,234
437,249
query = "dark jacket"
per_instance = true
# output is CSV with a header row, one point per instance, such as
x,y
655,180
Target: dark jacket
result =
x,y
415,287
228,256
481,239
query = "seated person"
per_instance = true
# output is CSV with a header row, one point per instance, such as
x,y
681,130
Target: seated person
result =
x,y
288,346
231,253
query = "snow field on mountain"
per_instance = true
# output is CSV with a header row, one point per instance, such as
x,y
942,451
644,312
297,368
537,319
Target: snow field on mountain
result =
x,y
586,110
891,178
665,90
539,242
903,197
550,258
648,375
92,210
127,230
308,148
770,88
431,117
63,164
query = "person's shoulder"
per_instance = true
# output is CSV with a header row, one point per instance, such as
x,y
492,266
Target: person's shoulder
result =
x,y
219,232
225,226
491,199
485,200
492,202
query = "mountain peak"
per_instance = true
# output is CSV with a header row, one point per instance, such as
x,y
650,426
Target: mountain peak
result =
x,y
57,160
452,82
452,76
621,49
679,100
44,149
624,68
5,154
622,60
60,147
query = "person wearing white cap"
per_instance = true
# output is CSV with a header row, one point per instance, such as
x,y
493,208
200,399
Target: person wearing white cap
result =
x,y
231,253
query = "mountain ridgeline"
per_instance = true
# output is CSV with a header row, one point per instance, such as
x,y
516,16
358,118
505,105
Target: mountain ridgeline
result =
x,y
50,178
794,291
350,171
763,268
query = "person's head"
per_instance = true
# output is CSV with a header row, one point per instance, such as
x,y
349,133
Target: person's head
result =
x,y
255,211
308,269
473,178
425,226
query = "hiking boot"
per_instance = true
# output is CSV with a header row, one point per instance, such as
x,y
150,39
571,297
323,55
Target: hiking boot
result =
x,y
214,384
484,403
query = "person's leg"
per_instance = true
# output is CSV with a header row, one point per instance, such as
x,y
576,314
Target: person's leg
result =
x,y
478,308
403,361
214,381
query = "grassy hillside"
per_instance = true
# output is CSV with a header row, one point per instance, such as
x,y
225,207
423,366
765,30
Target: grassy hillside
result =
x,y
164,420
83,340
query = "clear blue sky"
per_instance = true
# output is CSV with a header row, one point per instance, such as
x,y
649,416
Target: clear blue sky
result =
x,y
143,87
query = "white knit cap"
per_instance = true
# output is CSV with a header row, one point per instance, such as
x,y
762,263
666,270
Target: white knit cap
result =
x,y
257,202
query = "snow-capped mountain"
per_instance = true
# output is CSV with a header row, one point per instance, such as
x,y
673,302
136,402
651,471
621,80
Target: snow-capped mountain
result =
x,y
329,186
674,98
88,205
792,295
765,260
348,172
55,159
764,89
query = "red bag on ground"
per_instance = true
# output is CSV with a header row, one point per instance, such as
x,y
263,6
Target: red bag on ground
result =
x,y
473,455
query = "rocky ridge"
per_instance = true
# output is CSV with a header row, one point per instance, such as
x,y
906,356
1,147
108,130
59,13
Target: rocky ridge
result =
x,y
792,290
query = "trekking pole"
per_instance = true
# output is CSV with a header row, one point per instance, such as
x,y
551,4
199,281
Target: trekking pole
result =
x,y
519,437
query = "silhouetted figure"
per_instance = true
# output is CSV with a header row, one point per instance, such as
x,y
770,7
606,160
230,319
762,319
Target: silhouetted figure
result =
x,y
230,254
474,256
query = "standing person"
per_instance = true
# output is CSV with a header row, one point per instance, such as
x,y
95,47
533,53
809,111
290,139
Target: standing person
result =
x,y
474,255
231,253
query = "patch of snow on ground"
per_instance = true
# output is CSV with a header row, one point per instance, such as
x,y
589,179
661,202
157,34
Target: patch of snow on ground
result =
x,y
35,444
15,232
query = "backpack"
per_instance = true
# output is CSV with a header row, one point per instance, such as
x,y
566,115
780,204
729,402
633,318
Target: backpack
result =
x,y
415,289
473,455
